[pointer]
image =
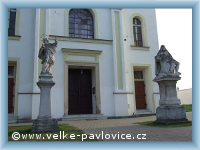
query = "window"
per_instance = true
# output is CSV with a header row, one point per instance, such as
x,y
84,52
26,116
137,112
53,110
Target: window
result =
x,y
10,71
138,75
81,23
137,32
11,21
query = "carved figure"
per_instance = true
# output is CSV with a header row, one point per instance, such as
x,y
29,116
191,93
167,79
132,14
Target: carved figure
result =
x,y
47,55
165,64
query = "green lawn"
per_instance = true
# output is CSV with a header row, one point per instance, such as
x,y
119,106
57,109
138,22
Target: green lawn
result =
x,y
188,108
151,123
48,136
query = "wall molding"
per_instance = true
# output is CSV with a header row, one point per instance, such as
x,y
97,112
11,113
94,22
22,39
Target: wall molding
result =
x,y
28,93
14,37
139,48
83,40
81,52
123,93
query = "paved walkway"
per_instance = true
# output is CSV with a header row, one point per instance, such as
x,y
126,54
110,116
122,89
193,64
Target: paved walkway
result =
x,y
127,126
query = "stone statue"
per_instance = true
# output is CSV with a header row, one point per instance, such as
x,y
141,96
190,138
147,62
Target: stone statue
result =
x,y
165,64
47,55
45,121
169,110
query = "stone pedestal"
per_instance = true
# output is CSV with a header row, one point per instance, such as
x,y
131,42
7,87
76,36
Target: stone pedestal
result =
x,y
45,122
170,111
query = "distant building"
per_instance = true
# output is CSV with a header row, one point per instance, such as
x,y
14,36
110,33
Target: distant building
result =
x,y
104,61
185,96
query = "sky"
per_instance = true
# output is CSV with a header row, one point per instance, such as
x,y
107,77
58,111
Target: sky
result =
x,y
175,32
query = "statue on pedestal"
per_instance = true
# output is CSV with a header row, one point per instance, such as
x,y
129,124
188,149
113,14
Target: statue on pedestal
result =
x,y
166,69
45,122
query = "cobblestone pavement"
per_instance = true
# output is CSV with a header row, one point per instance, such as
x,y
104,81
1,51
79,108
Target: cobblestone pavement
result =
x,y
127,126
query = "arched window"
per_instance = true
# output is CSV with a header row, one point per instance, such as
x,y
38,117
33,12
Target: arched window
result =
x,y
137,32
81,23
11,21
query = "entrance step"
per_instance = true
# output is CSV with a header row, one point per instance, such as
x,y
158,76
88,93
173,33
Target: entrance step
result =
x,y
143,111
83,117
12,118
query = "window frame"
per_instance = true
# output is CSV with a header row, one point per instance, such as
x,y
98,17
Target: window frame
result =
x,y
145,46
78,28
137,25
11,21
16,35
95,18
142,74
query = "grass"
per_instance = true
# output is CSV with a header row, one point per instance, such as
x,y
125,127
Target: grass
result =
x,y
151,123
188,108
26,130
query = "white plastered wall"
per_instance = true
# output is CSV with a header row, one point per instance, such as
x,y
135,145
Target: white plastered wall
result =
x,y
140,57
24,50
24,106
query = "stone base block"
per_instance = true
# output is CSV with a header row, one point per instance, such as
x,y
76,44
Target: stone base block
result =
x,y
167,121
45,125
171,114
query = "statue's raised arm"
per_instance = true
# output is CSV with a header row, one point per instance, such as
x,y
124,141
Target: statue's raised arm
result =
x,y
56,41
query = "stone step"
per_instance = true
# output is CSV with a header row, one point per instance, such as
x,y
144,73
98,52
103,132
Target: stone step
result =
x,y
12,119
132,116
84,117
143,111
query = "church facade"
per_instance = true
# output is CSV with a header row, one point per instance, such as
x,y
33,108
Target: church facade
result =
x,y
104,63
